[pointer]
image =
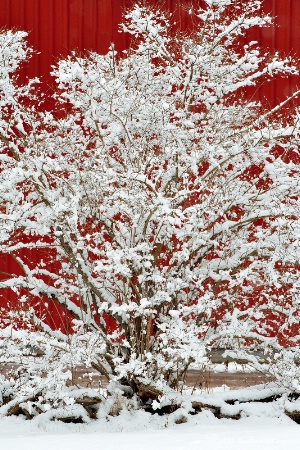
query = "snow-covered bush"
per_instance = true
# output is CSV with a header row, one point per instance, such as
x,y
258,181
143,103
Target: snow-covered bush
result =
x,y
163,203
40,374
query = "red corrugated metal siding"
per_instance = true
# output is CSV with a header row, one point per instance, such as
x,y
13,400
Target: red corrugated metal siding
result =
x,y
285,37
58,26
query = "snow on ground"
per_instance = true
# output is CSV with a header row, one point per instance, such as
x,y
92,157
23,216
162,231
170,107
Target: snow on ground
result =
x,y
264,428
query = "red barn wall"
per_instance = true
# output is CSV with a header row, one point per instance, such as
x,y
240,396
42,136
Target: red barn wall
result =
x,y
56,27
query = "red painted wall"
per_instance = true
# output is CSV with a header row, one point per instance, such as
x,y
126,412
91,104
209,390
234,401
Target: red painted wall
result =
x,y
58,26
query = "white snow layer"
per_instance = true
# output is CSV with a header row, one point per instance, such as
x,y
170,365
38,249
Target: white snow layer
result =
x,y
265,428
